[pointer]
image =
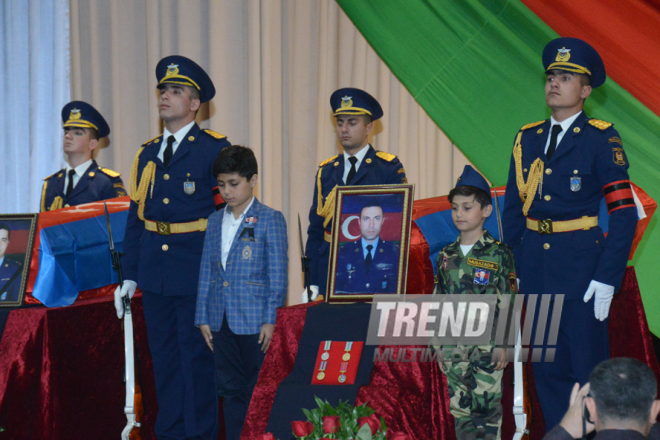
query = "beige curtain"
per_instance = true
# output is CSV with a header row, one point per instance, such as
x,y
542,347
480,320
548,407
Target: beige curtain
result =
x,y
274,64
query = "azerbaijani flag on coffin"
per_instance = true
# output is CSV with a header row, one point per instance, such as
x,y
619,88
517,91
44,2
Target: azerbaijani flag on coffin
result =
x,y
73,251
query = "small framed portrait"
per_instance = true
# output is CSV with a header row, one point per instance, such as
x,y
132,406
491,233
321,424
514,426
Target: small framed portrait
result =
x,y
370,242
16,238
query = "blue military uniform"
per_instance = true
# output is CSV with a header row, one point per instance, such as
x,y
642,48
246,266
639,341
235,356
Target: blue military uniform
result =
x,y
352,274
377,168
97,183
163,243
550,221
10,280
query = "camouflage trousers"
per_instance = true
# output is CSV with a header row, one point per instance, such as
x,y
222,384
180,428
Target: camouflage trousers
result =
x,y
475,392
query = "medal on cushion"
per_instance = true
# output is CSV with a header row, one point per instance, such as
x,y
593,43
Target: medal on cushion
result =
x,y
322,368
342,370
347,355
325,356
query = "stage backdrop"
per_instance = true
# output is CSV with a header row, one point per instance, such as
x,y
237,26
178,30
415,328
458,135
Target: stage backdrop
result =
x,y
475,67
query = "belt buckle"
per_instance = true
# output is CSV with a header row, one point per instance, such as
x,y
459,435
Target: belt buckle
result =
x,y
163,228
545,227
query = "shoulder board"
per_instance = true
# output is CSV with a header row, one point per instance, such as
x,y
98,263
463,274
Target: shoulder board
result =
x,y
151,140
327,161
385,156
214,134
532,125
46,178
109,172
601,125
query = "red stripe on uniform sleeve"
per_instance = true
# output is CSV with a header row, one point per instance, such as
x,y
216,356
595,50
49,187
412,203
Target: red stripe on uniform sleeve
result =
x,y
621,194
217,198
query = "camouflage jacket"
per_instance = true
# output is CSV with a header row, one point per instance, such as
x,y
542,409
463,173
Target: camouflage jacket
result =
x,y
487,268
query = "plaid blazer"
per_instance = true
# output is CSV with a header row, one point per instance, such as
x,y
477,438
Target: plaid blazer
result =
x,y
254,283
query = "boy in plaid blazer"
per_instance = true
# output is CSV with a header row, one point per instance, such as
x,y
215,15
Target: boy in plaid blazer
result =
x,y
242,281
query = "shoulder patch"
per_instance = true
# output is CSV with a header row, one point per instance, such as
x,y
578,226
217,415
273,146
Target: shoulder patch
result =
x,y
109,172
385,156
532,125
601,125
151,140
327,161
214,134
48,177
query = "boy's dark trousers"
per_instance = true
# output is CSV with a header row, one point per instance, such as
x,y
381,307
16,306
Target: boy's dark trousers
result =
x,y
238,359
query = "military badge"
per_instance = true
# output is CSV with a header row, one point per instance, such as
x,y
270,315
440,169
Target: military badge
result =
x,y
614,140
563,54
247,252
576,183
350,269
512,281
172,70
384,286
189,187
75,114
346,102
445,262
619,157
481,277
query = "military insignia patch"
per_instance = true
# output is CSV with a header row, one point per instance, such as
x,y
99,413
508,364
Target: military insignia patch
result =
x,y
445,262
247,252
563,54
481,276
512,281
615,140
576,183
346,102
619,157
483,264
189,187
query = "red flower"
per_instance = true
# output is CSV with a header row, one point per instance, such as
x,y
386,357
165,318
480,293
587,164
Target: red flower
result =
x,y
399,436
372,420
266,436
331,424
302,429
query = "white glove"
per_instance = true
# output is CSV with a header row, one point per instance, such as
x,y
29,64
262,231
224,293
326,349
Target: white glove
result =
x,y
315,293
603,299
128,288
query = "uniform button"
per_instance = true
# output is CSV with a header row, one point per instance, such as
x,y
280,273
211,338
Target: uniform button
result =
x,y
367,285
165,247
575,171
546,246
166,200
166,176
547,198
226,283
66,206
548,171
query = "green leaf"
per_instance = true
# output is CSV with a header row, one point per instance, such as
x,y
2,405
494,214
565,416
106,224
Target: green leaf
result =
x,y
364,433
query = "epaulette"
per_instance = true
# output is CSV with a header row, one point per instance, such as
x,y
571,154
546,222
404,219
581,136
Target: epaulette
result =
x,y
385,156
214,134
151,140
532,125
109,172
46,178
327,161
601,125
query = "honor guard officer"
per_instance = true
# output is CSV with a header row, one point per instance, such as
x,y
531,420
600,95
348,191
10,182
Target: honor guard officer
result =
x,y
360,164
173,192
10,270
370,264
560,171
82,181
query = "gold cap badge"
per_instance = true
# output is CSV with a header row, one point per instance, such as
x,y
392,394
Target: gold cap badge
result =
x,y
346,102
563,55
172,70
75,114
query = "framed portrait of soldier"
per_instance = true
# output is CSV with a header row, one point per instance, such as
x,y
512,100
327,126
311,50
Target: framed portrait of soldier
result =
x,y
16,239
370,242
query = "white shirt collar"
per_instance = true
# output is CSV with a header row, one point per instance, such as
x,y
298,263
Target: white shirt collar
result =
x,y
179,135
566,123
80,169
359,155
228,210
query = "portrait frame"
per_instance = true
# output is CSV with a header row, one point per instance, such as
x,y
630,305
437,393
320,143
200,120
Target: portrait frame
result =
x,y
18,251
350,282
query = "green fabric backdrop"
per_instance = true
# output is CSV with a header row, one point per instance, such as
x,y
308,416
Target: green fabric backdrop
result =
x,y
475,67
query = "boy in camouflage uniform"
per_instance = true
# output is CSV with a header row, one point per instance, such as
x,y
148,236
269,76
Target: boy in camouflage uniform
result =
x,y
474,264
